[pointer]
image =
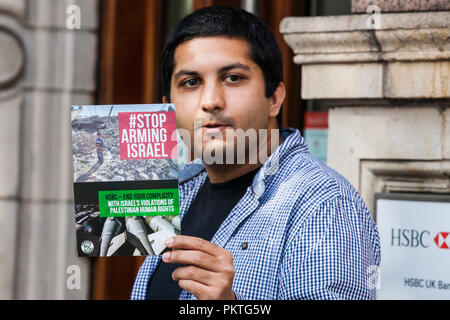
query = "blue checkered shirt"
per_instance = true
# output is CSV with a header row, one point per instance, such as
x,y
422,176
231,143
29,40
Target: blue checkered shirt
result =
x,y
308,233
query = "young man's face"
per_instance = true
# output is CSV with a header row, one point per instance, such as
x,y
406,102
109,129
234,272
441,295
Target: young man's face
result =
x,y
216,82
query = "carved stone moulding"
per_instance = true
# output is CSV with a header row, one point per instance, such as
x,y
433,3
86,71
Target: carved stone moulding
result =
x,y
397,37
13,7
403,176
12,57
407,55
360,6
12,52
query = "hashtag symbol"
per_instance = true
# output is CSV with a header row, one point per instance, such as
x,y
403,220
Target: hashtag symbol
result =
x,y
132,121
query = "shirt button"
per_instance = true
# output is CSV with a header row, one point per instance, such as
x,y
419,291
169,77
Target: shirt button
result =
x,y
244,245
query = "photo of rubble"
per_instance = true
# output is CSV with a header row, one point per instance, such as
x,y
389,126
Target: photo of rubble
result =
x,y
96,151
122,236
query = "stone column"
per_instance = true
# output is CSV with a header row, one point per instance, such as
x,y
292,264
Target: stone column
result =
x,y
44,69
387,86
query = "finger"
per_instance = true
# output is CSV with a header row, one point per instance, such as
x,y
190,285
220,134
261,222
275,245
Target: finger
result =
x,y
199,290
193,243
194,273
192,257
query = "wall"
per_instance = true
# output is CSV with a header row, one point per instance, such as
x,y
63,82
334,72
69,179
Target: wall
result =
x,y
385,79
44,68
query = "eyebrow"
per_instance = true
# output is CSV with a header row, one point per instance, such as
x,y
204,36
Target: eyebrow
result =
x,y
221,70
186,73
234,66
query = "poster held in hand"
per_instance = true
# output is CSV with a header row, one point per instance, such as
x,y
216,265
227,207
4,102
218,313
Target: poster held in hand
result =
x,y
125,165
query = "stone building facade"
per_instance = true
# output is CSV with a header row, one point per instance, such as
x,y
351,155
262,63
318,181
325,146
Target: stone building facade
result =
x,y
44,68
385,77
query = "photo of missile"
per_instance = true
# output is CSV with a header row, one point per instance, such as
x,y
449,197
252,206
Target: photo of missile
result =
x,y
122,236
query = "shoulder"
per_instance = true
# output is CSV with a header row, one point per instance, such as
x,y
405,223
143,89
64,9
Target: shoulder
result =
x,y
315,192
312,180
327,208
297,173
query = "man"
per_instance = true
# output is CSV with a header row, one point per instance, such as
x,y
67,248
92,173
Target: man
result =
x,y
284,228
99,145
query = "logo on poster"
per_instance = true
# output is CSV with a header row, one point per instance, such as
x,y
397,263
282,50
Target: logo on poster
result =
x,y
87,247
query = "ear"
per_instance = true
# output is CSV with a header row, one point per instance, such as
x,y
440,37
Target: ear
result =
x,y
277,99
164,99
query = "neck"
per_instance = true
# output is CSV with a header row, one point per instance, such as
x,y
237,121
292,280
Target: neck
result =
x,y
227,172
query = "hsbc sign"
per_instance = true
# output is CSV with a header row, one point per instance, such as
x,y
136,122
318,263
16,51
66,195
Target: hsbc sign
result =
x,y
415,247
419,238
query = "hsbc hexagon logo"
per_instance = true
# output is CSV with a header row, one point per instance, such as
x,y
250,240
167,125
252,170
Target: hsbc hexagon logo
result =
x,y
442,240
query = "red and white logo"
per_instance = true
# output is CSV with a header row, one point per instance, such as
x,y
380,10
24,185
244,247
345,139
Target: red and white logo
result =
x,y
442,240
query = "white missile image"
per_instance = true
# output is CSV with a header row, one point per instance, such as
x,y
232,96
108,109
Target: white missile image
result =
x,y
136,227
176,221
158,223
112,227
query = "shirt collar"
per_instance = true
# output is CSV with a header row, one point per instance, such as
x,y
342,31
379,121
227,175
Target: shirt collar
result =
x,y
292,139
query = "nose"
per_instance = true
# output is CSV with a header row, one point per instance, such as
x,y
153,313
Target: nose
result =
x,y
212,99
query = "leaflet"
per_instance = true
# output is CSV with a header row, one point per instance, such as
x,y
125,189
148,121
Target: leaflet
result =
x,y
125,169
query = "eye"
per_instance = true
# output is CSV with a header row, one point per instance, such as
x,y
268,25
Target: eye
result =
x,y
233,78
190,83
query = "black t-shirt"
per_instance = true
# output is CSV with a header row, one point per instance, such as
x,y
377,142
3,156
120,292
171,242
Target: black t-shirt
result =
x,y
208,210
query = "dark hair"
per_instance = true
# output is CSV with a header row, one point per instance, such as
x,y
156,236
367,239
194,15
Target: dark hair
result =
x,y
235,23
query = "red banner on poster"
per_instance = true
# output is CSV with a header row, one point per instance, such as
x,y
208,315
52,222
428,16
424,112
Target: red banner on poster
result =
x,y
146,135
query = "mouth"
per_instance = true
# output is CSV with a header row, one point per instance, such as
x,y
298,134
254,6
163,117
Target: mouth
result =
x,y
214,126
